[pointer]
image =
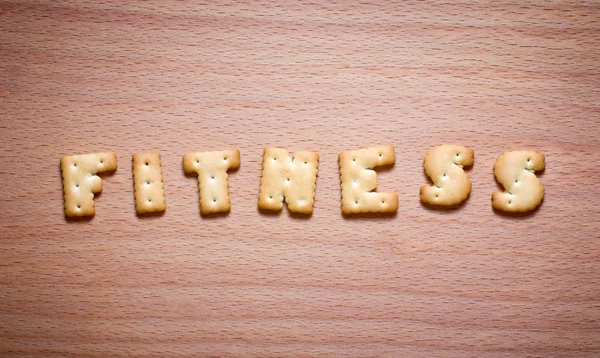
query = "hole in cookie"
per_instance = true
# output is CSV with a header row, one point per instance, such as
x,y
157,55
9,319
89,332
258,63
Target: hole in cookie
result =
x,y
74,165
197,161
147,163
147,182
516,180
101,161
356,202
383,201
437,195
353,159
444,175
270,196
78,206
212,177
380,155
149,200
510,202
528,160
288,179
274,158
457,154
224,158
214,200
77,185
305,162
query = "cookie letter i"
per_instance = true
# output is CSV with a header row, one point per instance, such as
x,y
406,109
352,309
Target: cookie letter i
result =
x,y
148,183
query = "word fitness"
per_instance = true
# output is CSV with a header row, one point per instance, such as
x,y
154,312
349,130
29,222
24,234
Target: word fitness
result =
x,y
295,178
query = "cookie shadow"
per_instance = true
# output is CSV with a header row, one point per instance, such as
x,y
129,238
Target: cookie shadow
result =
x,y
443,208
146,216
299,216
215,216
78,219
291,214
518,215
384,168
370,216
272,213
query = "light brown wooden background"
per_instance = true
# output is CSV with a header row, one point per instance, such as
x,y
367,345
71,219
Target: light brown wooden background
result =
x,y
81,77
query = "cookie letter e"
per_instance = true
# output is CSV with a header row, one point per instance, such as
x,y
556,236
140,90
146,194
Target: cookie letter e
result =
x,y
359,181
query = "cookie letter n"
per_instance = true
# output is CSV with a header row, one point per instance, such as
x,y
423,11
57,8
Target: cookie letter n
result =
x,y
295,180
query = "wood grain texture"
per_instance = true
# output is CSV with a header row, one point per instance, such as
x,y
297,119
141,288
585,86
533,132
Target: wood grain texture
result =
x,y
180,76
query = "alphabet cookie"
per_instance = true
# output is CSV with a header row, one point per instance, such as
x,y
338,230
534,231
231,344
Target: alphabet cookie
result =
x,y
358,180
515,171
451,185
80,181
213,181
293,180
148,183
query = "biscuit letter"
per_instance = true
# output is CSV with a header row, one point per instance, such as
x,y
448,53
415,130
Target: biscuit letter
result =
x,y
443,164
524,191
148,183
213,182
80,181
358,181
295,180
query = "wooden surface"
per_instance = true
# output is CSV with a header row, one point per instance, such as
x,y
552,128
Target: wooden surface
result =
x,y
81,77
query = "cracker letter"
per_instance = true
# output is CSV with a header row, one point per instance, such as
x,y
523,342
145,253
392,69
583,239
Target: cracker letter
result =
x,y
148,183
515,171
358,181
80,181
295,180
213,182
451,185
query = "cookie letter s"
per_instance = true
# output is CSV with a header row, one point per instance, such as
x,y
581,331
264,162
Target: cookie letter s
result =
x,y
515,171
451,185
